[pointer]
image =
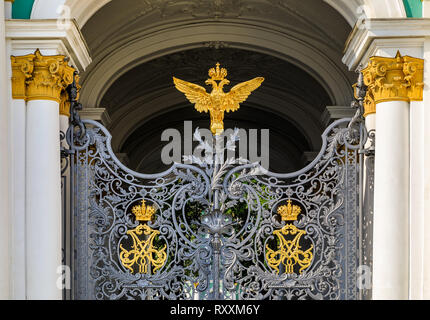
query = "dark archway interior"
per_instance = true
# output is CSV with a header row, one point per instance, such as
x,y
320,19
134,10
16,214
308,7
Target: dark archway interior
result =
x,y
287,92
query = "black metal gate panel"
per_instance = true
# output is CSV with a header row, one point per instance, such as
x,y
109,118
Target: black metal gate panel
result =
x,y
219,228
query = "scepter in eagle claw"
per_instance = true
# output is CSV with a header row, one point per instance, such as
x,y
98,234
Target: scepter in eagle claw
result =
x,y
360,91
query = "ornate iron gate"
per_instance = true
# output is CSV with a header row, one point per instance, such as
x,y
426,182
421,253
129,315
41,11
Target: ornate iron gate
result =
x,y
218,228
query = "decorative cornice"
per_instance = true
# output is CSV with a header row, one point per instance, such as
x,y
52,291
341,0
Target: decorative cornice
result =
x,y
39,77
370,35
392,79
26,35
97,114
336,112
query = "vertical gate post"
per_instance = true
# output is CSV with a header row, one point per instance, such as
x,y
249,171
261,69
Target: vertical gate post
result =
x,y
366,186
65,186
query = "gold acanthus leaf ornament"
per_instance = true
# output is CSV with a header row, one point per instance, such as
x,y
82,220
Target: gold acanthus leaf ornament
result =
x,y
217,102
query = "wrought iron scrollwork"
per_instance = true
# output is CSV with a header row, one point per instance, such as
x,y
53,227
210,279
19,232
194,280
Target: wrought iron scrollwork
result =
x,y
297,236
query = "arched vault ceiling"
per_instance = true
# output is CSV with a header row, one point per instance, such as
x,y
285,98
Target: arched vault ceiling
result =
x,y
126,33
287,92
192,65
124,17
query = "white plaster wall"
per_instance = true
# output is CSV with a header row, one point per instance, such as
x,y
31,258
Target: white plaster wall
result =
x,y
79,9
5,252
426,174
8,9
47,9
417,196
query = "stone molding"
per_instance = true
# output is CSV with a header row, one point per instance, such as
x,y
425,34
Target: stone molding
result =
x,y
27,35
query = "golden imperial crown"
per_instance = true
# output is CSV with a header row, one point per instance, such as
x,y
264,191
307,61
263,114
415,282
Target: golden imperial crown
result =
x,y
289,212
143,212
217,74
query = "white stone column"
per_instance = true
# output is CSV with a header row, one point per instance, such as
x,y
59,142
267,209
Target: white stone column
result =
x,y
40,80
5,253
21,69
391,209
18,169
426,8
385,37
392,84
426,175
8,8
370,123
23,37
391,221
417,196
421,251
43,206
64,123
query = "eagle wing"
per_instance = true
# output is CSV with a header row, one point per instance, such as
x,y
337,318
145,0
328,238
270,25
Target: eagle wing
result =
x,y
239,93
194,93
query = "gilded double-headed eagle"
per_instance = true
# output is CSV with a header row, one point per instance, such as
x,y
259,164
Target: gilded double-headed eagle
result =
x,y
217,102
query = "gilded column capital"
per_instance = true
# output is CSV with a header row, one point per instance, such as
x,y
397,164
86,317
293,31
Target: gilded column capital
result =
x,y
385,78
22,70
38,77
413,69
64,104
392,79
51,75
